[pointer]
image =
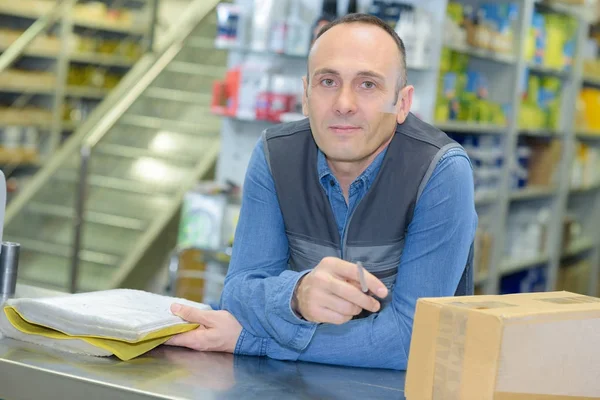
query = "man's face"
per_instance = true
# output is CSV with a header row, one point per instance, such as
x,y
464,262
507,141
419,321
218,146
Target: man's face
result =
x,y
354,71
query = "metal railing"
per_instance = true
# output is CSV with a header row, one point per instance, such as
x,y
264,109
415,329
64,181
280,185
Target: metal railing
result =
x,y
194,15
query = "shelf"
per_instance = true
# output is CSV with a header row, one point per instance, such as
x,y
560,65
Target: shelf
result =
x,y
482,53
578,246
72,91
585,188
485,198
247,50
542,132
87,92
591,81
512,266
470,127
588,135
534,192
91,58
540,69
481,280
38,9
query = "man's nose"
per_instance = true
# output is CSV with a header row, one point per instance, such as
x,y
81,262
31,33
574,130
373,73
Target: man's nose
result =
x,y
346,101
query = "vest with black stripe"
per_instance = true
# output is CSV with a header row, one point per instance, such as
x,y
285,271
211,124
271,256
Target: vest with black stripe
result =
x,y
377,228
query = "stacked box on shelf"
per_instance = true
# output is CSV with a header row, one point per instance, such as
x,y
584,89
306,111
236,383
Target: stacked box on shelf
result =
x,y
464,91
585,170
485,152
541,102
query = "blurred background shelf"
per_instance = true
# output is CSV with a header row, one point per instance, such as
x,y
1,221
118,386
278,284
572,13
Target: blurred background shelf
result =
x,y
512,266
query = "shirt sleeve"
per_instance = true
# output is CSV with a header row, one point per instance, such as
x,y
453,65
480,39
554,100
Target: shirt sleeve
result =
x,y
436,250
259,286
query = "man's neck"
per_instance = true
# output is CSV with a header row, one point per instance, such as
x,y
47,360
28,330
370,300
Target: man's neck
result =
x,y
347,172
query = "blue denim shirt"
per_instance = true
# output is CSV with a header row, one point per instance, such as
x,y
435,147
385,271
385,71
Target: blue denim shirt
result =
x,y
259,285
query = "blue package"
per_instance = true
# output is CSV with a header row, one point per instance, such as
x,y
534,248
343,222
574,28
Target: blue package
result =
x,y
568,54
472,81
531,280
538,24
449,88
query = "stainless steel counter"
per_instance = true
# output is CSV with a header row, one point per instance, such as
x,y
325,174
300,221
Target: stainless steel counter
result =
x,y
31,372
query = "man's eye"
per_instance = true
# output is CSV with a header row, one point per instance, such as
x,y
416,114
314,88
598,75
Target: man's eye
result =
x,y
368,85
328,82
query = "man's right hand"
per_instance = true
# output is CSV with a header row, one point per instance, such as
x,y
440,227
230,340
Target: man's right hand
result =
x,y
331,293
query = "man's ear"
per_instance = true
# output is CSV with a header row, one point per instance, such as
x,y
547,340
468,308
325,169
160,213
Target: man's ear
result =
x,y
305,96
405,99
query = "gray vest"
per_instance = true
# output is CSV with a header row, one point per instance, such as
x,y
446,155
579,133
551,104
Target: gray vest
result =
x,y
377,228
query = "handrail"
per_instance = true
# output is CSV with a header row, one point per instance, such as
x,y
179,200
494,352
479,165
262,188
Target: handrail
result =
x,y
193,15
9,56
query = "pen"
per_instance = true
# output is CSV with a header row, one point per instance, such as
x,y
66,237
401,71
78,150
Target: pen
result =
x,y
361,277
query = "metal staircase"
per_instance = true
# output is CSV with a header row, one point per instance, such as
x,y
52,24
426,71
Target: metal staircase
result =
x,y
100,204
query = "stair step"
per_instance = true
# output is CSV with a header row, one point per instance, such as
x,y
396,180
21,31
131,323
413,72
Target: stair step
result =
x,y
56,227
108,182
105,198
151,172
53,272
182,67
118,150
166,142
90,216
178,96
175,111
163,124
57,250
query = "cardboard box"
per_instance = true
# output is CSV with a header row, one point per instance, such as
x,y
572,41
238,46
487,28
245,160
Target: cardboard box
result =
x,y
545,156
535,346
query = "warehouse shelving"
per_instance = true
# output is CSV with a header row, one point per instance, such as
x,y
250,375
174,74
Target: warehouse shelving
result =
x,y
505,73
82,35
510,266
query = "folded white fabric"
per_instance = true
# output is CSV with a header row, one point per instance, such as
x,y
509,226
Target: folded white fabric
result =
x,y
122,322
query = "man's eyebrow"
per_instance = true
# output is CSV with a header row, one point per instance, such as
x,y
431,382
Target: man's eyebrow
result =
x,y
324,71
371,74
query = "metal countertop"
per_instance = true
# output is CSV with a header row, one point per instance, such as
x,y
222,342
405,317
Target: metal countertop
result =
x,y
30,372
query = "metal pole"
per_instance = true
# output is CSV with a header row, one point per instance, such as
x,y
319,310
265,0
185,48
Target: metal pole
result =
x,y
153,22
62,71
9,265
78,218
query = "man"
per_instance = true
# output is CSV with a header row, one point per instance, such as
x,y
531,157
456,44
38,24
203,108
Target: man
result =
x,y
361,179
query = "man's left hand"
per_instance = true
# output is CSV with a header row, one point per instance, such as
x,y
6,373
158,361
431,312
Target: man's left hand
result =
x,y
218,330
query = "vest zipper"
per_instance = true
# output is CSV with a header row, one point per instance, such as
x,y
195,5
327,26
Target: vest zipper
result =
x,y
346,229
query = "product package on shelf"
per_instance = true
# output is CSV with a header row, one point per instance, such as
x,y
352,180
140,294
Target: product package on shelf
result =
x,y
541,102
258,90
585,170
526,233
551,40
573,276
282,27
207,225
463,93
536,163
489,26
485,152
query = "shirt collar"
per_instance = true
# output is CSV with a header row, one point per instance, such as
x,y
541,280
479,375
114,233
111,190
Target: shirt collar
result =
x,y
367,176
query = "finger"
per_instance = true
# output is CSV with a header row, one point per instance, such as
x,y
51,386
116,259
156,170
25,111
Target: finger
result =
x,y
192,339
341,306
328,316
192,314
349,271
353,295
